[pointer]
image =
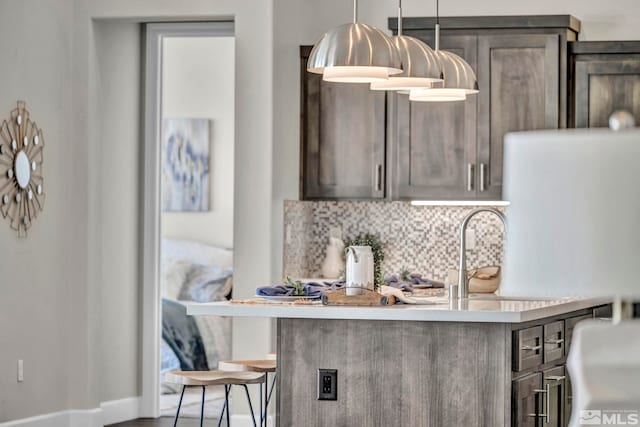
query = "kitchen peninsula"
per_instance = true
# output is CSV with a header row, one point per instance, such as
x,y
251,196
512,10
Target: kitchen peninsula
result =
x,y
481,364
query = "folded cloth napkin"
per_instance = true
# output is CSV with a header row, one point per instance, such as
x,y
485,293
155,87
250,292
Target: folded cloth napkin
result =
x,y
415,279
318,289
311,289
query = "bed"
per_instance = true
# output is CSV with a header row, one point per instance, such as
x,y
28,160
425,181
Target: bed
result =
x,y
192,271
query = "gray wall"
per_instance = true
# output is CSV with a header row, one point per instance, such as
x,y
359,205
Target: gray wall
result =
x,y
119,205
38,274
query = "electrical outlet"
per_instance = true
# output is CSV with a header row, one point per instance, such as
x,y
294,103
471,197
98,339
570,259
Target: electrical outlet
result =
x,y
327,384
20,370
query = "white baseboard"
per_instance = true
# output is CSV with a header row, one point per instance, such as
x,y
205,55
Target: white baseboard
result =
x,y
70,418
111,412
117,411
244,420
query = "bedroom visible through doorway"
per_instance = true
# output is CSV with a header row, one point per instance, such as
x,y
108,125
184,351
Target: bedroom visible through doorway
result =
x,y
195,140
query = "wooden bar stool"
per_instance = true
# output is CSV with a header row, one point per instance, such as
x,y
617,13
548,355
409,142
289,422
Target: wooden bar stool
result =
x,y
265,366
228,379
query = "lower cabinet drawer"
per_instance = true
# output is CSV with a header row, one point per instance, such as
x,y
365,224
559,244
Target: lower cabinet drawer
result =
x,y
553,341
527,348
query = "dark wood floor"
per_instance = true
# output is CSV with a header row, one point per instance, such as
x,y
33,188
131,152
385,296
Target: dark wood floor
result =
x,y
163,422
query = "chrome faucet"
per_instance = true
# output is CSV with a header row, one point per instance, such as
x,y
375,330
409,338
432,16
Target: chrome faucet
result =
x,y
463,280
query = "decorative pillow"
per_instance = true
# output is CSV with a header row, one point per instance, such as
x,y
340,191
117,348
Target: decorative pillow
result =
x,y
206,283
174,274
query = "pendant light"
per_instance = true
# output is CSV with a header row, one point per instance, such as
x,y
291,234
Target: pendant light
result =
x,y
459,78
421,66
354,53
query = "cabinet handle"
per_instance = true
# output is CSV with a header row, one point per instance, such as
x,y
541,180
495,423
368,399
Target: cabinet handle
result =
x,y
378,177
552,341
546,415
470,177
531,347
556,377
483,168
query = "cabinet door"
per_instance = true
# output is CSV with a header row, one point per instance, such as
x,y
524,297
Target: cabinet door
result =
x,y
527,401
518,77
554,396
435,148
343,140
603,86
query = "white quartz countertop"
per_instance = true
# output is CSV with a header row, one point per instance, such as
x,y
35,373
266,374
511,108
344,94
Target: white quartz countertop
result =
x,y
493,310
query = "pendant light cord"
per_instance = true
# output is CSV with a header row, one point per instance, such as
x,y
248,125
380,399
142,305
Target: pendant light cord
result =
x,y
355,11
399,17
437,25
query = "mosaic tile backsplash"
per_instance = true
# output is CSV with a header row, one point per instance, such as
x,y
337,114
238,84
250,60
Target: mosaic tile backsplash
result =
x,y
423,239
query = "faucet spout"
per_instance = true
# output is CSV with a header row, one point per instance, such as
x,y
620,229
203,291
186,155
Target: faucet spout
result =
x,y
463,280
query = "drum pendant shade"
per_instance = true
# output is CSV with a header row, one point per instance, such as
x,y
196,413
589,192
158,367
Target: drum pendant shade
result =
x,y
354,53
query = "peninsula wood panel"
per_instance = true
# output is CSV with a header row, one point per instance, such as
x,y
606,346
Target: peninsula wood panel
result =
x,y
343,139
437,140
395,373
518,76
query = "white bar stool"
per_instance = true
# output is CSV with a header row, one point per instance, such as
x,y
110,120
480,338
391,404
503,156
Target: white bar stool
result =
x,y
206,378
265,366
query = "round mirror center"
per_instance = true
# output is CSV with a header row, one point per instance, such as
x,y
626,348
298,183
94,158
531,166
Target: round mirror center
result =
x,y
22,170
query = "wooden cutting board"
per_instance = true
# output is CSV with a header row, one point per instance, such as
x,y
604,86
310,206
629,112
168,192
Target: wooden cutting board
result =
x,y
367,299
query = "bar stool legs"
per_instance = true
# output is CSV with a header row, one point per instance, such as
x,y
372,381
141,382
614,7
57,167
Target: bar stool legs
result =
x,y
175,422
267,397
225,406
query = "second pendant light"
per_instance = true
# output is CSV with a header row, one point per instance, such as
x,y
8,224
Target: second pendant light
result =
x,y
459,78
420,65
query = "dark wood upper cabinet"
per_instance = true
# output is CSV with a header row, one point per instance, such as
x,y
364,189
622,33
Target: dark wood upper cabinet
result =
x,y
435,150
362,144
519,80
343,138
606,78
520,63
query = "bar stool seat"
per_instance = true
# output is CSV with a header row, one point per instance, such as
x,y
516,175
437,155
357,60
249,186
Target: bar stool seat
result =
x,y
265,366
219,377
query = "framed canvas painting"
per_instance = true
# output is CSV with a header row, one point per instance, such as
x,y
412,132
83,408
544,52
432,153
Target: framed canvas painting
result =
x,y
185,164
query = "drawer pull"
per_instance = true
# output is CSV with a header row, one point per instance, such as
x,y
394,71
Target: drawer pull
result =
x,y
530,347
556,377
552,341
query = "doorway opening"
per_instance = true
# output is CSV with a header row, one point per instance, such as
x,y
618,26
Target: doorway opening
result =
x,y
189,204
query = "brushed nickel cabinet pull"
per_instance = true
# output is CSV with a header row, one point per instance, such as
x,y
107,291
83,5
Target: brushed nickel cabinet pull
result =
x,y
554,341
556,377
546,415
470,177
483,168
530,347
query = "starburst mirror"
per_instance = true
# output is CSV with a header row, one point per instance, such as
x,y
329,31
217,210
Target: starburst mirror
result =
x,y
21,182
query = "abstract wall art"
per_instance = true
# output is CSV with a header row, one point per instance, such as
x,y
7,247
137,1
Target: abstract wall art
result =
x,y
185,164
